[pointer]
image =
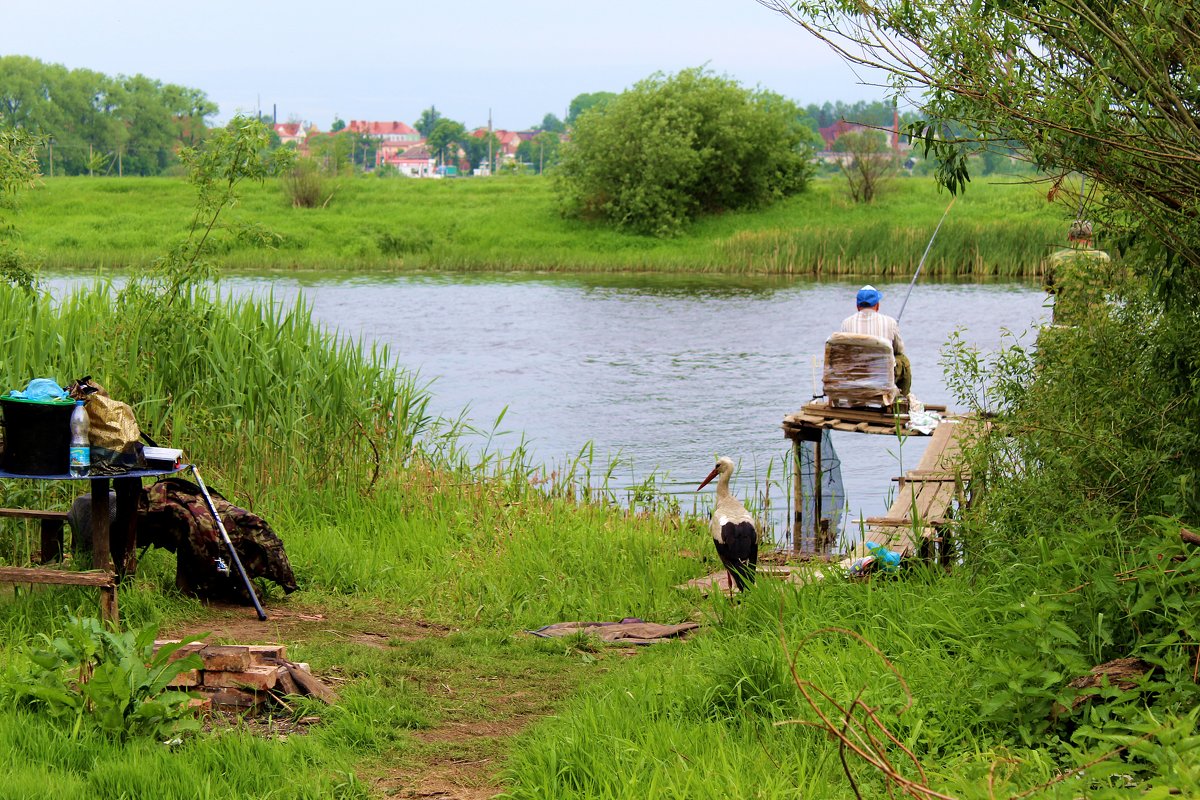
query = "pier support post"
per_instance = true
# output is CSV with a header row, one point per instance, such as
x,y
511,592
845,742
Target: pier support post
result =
x,y
797,499
819,528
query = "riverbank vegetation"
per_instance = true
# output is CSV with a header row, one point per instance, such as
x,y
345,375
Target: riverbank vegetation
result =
x,y
1002,227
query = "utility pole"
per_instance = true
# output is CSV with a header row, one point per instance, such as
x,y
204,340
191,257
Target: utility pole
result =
x,y
51,156
491,162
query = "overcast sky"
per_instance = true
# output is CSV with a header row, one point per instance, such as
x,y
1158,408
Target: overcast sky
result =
x,y
390,60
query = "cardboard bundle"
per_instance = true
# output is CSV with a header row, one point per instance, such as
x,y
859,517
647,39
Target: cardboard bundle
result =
x,y
860,370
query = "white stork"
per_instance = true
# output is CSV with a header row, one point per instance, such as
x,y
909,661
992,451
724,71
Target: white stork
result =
x,y
732,529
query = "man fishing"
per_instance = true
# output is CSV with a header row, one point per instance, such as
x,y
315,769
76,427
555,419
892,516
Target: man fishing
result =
x,y
869,321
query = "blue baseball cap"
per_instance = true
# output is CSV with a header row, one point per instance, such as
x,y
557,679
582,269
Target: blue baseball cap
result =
x,y
868,296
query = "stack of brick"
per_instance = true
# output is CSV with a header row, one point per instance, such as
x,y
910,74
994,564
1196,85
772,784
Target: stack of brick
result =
x,y
245,676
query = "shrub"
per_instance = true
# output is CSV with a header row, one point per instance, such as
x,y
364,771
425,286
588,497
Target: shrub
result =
x,y
306,185
671,148
114,681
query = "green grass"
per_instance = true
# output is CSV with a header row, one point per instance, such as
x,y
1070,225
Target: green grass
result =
x,y
415,586
513,223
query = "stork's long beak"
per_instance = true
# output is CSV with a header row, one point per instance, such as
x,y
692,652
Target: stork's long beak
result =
x,y
711,475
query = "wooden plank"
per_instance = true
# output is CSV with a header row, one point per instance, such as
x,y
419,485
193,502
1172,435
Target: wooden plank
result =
x,y
854,414
943,449
31,513
904,522
108,605
933,477
898,539
57,576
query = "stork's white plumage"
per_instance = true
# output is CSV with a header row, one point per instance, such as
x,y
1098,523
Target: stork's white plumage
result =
x,y
732,528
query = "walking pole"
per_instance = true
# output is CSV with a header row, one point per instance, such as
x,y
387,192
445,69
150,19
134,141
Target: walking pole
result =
x,y
926,253
237,562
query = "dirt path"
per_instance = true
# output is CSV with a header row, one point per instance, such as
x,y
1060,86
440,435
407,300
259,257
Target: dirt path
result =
x,y
478,702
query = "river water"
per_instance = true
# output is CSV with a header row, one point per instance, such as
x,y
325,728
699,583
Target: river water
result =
x,y
660,373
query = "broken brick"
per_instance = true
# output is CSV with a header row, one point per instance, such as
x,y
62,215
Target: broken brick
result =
x,y
255,677
226,657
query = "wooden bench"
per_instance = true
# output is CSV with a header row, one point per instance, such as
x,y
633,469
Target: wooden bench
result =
x,y
52,524
101,578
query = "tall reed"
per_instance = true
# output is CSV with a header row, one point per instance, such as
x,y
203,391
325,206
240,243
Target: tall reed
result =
x,y
255,389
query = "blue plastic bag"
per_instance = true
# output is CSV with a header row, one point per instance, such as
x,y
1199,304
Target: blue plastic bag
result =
x,y
41,389
888,559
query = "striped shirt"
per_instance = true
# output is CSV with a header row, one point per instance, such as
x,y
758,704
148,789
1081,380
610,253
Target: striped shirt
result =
x,y
870,322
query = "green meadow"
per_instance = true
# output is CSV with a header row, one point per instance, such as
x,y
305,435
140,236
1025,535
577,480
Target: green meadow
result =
x,y
999,228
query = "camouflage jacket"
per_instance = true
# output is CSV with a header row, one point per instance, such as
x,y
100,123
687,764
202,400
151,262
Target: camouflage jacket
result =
x,y
173,515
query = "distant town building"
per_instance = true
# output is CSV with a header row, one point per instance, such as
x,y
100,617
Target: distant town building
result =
x,y
414,162
394,138
386,132
293,133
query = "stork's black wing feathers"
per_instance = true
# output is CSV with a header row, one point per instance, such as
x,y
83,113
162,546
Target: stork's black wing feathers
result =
x,y
739,551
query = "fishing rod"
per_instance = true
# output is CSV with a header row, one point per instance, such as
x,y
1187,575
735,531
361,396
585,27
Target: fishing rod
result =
x,y
237,562
913,282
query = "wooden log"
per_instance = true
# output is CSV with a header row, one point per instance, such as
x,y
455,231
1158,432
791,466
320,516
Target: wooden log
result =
x,y
310,685
1189,536
286,684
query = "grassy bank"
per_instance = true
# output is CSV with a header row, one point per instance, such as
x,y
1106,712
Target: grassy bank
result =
x,y
995,229
419,571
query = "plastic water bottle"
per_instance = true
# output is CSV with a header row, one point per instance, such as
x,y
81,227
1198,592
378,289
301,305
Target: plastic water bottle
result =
x,y
81,450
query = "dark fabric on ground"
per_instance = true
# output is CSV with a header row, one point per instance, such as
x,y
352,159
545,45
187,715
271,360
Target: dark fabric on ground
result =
x,y
172,514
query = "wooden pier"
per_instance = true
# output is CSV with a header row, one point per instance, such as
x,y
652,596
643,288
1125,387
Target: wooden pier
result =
x,y
917,523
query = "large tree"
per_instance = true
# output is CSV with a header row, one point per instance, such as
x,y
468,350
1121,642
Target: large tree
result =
x,y
867,163
90,120
445,139
1108,90
586,102
427,121
542,151
673,147
552,123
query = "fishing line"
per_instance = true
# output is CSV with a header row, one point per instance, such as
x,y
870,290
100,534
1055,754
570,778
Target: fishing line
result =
x,y
913,282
